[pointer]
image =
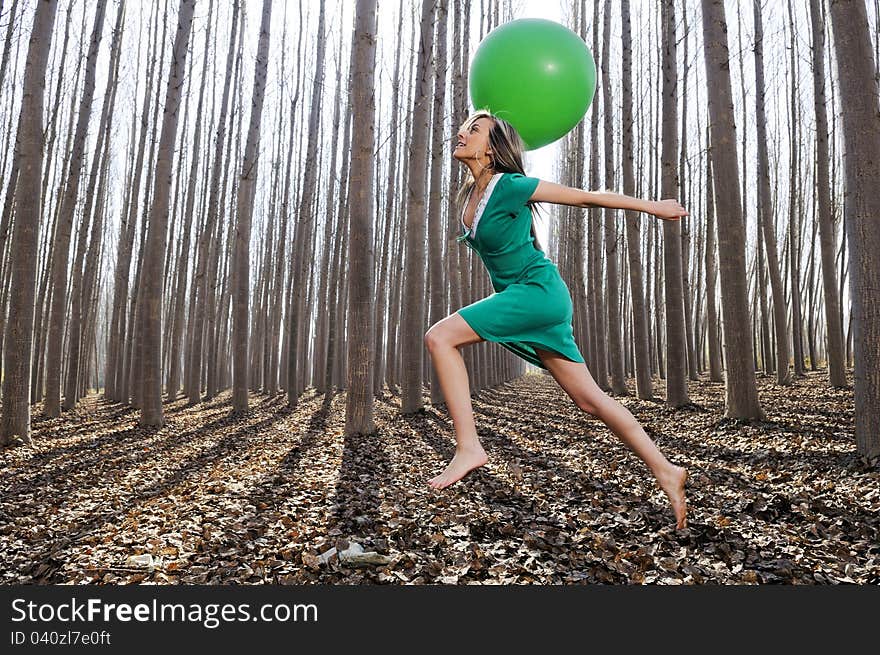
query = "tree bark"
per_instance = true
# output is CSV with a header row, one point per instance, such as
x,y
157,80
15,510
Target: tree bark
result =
x,y
15,419
244,214
156,243
644,388
52,403
676,356
597,317
193,370
612,237
361,340
833,327
741,390
413,327
90,218
783,372
715,373
439,161
861,131
306,216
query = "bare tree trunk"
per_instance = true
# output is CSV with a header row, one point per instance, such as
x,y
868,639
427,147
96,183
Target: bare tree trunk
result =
x,y
676,380
833,327
52,404
414,305
74,333
7,43
813,311
795,213
42,301
644,388
383,279
715,373
18,341
437,307
615,347
156,243
244,214
766,319
298,316
183,265
594,243
361,340
684,223
319,367
336,333
741,389
116,387
193,371
861,130
574,270
783,372
134,363
275,313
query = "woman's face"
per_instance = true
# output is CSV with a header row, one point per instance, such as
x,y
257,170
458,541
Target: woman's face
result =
x,y
473,141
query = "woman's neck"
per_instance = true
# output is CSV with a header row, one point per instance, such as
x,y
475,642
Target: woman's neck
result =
x,y
481,184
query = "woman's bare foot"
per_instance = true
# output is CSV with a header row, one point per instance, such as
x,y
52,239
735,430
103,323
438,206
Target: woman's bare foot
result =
x,y
673,484
464,461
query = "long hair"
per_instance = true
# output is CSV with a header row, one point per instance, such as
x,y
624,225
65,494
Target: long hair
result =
x,y
507,157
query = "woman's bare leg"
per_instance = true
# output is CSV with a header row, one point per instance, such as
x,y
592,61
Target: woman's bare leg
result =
x,y
443,341
575,379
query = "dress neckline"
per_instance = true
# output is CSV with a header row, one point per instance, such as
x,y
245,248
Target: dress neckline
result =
x,y
481,206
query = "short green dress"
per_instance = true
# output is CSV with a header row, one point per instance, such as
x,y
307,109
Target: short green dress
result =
x,y
531,307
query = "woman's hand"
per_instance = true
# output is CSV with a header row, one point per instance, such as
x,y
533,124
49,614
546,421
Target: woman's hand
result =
x,y
668,210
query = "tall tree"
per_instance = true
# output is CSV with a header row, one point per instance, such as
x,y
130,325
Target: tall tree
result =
x,y
157,235
795,204
741,391
576,268
437,287
833,326
684,223
597,329
361,342
644,388
713,327
193,370
861,133
244,213
61,253
176,321
18,343
612,237
117,381
676,379
416,229
91,216
766,214
297,322
383,279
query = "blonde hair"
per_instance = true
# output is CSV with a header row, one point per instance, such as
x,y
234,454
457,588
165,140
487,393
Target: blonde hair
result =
x,y
506,157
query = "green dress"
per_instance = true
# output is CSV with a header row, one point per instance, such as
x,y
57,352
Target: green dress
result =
x,y
531,306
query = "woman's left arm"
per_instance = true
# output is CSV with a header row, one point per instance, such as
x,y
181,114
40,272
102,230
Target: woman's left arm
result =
x,y
560,194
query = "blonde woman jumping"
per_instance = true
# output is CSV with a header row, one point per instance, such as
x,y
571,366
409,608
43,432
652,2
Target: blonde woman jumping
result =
x,y
530,312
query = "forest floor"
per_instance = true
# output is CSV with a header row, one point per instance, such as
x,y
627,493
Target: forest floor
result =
x,y
265,498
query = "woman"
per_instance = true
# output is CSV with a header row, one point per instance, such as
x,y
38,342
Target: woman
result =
x,y
530,312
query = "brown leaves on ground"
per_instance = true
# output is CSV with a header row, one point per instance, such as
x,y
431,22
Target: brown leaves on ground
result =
x,y
264,498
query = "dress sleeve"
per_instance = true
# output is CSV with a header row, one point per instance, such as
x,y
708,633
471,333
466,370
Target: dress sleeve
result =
x,y
518,189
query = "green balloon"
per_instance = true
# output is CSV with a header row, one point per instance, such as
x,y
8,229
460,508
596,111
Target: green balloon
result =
x,y
537,75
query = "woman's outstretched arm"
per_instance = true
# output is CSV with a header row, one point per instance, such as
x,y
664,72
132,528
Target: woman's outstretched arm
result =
x,y
560,194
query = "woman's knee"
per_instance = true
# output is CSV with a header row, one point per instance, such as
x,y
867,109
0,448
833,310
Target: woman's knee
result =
x,y
434,338
590,404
